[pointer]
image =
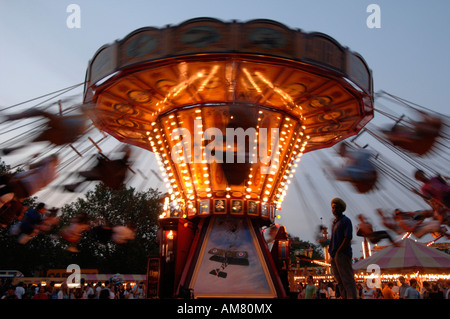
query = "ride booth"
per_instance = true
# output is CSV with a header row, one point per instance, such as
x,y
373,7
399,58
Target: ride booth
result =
x,y
228,109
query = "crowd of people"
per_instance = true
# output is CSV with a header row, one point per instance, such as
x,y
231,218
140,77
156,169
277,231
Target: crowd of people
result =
x,y
109,289
402,289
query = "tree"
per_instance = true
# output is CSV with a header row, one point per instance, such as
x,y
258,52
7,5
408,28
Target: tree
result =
x,y
306,250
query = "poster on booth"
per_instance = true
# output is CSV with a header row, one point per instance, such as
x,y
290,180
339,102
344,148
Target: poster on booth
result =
x,y
231,263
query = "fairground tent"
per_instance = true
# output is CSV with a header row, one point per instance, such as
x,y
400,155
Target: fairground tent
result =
x,y
409,257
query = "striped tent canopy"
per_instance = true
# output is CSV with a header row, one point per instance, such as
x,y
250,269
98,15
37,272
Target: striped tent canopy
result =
x,y
410,256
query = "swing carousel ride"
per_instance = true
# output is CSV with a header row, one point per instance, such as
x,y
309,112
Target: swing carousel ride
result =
x,y
228,109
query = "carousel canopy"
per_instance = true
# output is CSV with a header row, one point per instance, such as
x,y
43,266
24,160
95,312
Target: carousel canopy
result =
x,y
409,256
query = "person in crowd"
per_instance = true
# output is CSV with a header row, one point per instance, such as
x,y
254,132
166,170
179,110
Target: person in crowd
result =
x,y
107,292
387,291
64,292
10,294
310,288
378,294
403,286
412,292
322,292
368,292
426,289
138,291
331,290
128,293
41,294
20,290
435,292
88,292
447,289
